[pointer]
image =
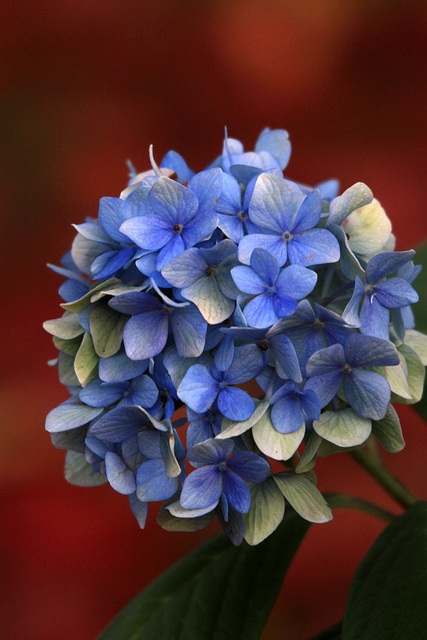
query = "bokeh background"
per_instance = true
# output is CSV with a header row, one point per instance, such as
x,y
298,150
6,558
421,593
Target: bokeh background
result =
x,y
86,85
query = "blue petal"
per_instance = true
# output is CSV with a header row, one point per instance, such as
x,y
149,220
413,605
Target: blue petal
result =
x,y
225,353
247,364
275,203
189,331
145,335
351,311
265,266
173,160
277,143
237,492
148,232
99,394
310,404
118,425
286,414
249,466
235,404
144,391
202,488
207,186
283,305
368,393
296,281
199,228
358,195
285,357
383,264
172,201
149,444
210,452
108,263
395,293
232,226
316,246
152,483
326,360
309,212
247,280
112,213
374,318
325,386
119,368
274,244
174,247
118,475
260,312
139,509
198,388
135,302
70,415
367,351
229,202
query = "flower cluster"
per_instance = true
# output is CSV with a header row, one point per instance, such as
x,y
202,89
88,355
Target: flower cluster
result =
x,y
276,316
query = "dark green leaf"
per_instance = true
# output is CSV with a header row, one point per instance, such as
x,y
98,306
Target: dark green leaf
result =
x,y
332,633
388,594
217,592
420,312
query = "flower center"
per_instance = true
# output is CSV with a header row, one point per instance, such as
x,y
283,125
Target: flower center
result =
x,y
177,227
242,215
222,384
271,290
263,345
287,236
211,271
346,368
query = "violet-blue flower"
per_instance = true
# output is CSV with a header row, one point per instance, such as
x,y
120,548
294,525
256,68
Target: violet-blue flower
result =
x,y
287,218
275,290
367,392
216,473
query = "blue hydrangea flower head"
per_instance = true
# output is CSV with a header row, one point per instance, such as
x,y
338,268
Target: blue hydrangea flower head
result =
x,y
276,316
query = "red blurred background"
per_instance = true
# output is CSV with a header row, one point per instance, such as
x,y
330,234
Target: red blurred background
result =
x,y
86,85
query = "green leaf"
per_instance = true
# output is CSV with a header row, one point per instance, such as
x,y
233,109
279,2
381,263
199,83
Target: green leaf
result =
x,y
67,327
266,512
345,427
86,362
216,592
80,472
231,429
303,496
280,446
106,327
388,594
388,431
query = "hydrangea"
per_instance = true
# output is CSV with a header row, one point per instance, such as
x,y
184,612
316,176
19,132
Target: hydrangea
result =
x,y
278,315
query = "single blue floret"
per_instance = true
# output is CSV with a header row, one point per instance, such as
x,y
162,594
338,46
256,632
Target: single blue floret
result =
x,y
216,473
367,392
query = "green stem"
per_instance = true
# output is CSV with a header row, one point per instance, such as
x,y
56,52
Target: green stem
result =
x,y
377,470
343,501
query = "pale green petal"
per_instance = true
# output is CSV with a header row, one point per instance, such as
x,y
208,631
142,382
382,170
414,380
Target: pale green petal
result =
x,y
208,298
80,472
266,512
279,446
418,342
345,427
368,229
67,327
106,327
303,496
86,361
308,457
388,431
